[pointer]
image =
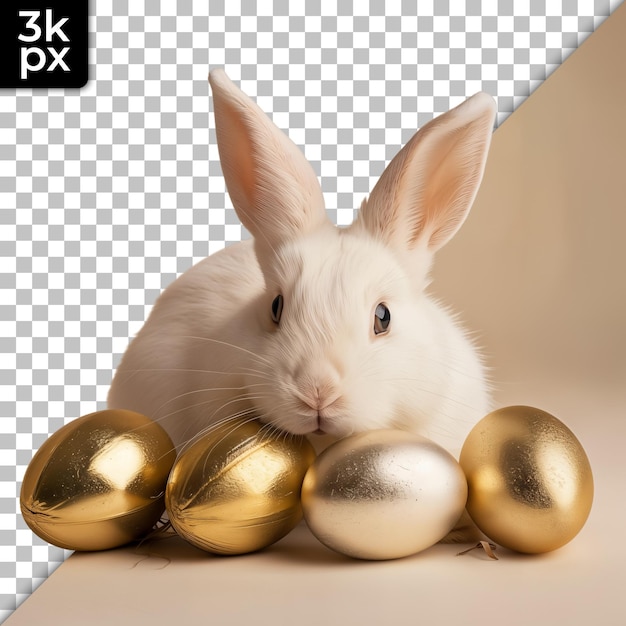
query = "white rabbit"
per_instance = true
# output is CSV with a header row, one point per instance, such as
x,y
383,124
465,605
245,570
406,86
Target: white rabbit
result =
x,y
310,327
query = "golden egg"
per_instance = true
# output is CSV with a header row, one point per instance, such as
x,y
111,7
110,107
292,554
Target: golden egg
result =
x,y
98,482
236,489
529,479
383,494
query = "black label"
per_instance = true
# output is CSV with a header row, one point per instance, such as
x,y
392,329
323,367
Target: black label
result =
x,y
43,44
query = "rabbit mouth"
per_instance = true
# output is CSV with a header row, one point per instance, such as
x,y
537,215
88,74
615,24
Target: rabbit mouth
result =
x,y
320,413
321,423
306,421
301,416
313,422
325,425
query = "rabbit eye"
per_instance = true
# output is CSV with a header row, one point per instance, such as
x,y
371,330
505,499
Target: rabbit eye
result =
x,y
382,318
277,308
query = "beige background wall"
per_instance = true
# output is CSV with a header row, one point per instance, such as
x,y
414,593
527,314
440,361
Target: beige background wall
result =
x,y
539,267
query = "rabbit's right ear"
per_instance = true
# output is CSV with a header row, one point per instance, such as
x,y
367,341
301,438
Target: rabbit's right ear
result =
x,y
273,187
426,192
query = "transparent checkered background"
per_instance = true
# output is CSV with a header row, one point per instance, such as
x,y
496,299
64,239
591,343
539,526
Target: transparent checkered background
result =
x,y
109,192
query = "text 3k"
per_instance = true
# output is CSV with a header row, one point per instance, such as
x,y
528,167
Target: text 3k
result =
x,y
38,58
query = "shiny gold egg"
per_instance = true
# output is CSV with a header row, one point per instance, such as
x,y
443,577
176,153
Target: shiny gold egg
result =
x,y
383,494
236,489
529,479
98,482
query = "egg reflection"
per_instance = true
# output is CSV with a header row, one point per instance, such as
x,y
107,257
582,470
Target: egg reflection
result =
x,y
119,463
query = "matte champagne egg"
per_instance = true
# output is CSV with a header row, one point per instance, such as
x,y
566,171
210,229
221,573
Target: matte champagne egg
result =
x,y
236,489
98,482
383,494
529,479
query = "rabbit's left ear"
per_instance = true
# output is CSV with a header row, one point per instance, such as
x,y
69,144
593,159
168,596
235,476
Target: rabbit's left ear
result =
x,y
426,192
273,187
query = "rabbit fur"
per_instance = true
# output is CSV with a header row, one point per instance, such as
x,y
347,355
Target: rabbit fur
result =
x,y
283,327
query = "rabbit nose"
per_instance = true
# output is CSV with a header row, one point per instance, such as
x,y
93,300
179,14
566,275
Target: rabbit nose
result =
x,y
318,391
324,397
